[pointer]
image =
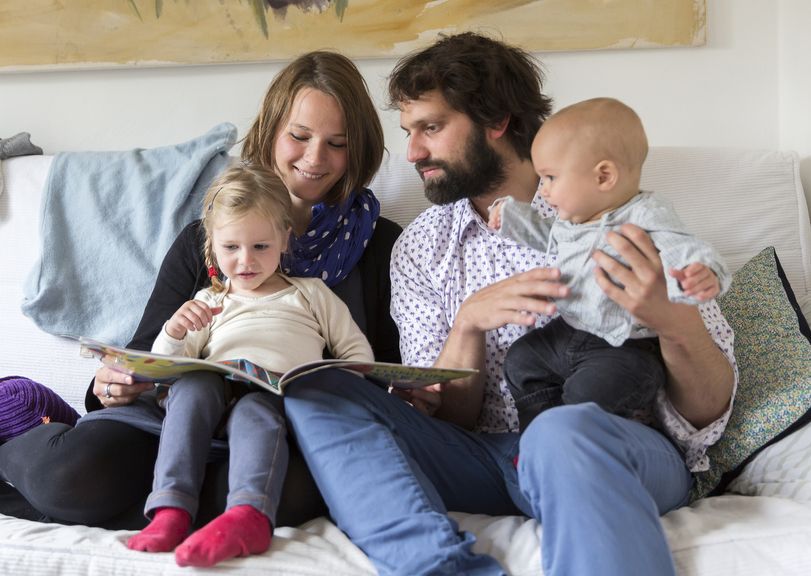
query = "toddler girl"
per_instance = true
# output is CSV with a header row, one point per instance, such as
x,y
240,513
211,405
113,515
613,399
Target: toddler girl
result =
x,y
257,314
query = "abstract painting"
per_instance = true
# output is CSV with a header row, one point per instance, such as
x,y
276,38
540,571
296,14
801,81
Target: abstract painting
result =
x,y
86,33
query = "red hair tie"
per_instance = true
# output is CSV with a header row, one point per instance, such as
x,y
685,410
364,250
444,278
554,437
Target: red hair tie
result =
x,y
212,272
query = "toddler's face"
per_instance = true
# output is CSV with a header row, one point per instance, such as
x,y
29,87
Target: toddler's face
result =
x,y
248,251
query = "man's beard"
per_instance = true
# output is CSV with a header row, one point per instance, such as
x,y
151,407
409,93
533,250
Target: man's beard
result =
x,y
480,171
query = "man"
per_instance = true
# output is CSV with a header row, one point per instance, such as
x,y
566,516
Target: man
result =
x,y
389,470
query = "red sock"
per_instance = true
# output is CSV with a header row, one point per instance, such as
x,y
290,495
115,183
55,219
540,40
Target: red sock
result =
x,y
167,529
240,531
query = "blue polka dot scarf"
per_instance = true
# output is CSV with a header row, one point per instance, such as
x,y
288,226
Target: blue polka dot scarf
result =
x,y
335,239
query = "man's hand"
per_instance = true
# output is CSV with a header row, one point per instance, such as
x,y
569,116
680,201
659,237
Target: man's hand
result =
x,y
644,289
700,380
427,399
515,300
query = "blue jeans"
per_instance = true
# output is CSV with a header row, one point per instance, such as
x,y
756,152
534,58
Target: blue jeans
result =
x,y
257,443
389,474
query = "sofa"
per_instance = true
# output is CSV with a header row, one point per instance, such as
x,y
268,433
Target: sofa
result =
x,y
742,201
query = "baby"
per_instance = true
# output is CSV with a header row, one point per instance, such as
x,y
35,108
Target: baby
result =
x,y
589,158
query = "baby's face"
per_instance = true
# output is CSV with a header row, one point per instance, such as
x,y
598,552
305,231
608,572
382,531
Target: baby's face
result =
x,y
569,179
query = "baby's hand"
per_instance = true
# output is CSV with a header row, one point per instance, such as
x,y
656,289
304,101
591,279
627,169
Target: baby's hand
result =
x,y
698,281
193,315
494,221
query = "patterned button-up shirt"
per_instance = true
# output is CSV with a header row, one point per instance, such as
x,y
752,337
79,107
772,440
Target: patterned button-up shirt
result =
x,y
448,253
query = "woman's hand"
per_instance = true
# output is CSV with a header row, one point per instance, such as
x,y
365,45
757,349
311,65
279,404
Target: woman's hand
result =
x,y
114,388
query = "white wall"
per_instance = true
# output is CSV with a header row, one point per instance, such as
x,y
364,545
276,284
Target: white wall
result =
x,y
744,88
794,88
704,96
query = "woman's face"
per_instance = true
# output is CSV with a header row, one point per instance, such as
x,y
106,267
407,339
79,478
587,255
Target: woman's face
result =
x,y
310,148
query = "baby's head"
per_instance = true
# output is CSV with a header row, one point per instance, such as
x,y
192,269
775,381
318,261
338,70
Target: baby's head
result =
x,y
589,156
244,190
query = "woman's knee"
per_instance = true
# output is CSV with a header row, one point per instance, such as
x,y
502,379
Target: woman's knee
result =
x,y
35,453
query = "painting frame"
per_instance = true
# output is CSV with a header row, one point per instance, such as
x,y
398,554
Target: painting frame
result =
x,y
113,33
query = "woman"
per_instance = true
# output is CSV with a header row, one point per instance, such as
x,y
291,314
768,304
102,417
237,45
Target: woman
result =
x,y
319,130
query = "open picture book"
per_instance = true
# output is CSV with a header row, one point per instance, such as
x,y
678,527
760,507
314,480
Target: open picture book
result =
x,y
162,369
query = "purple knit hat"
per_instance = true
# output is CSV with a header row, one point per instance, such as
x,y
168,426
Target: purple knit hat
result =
x,y
25,404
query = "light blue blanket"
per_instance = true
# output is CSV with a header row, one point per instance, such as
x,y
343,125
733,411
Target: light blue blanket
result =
x,y
107,220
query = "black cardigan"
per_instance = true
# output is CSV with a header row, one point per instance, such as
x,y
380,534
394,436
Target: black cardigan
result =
x,y
366,291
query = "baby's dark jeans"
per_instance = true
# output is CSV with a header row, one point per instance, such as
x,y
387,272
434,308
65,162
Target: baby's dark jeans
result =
x,y
558,364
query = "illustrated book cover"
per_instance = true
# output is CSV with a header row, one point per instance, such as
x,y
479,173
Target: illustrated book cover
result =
x,y
162,369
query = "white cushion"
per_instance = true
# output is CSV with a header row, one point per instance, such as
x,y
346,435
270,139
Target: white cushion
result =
x,y
782,469
740,201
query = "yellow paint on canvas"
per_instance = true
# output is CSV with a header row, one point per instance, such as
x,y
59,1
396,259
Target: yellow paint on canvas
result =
x,y
122,32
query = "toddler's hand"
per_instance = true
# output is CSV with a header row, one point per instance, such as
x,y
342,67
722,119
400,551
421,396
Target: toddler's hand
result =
x,y
494,221
698,281
192,316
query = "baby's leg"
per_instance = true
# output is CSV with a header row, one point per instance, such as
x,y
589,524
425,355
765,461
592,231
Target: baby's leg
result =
x,y
622,380
194,407
258,445
535,369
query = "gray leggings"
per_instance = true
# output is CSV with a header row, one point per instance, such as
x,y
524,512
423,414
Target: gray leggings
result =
x,y
257,444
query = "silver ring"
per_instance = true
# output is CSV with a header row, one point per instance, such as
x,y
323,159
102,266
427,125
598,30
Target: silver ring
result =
x,y
107,390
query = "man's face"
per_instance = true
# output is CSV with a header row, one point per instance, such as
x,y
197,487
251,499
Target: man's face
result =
x,y
451,154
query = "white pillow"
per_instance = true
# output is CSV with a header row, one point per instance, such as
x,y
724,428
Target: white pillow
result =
x,y
782,469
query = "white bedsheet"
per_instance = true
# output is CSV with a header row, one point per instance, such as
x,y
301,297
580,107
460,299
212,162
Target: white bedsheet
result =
x,y
728,535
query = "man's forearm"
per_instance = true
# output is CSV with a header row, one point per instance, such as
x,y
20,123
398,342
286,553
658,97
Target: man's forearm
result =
x,y
515,300
700,379
462,399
